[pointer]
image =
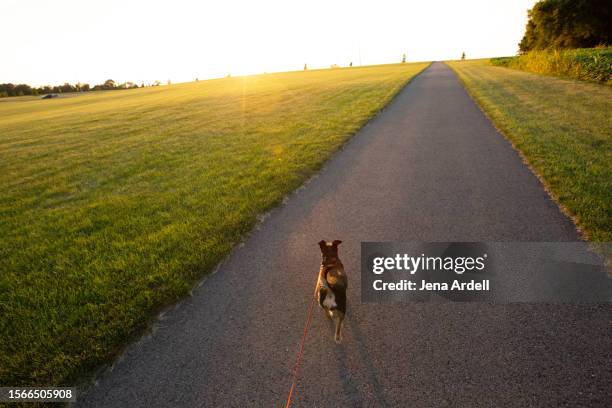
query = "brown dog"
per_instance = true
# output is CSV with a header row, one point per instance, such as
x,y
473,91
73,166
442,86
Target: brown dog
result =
x,y
332,285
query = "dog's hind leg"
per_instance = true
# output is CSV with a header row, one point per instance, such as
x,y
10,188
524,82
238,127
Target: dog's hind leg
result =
x,y
339,321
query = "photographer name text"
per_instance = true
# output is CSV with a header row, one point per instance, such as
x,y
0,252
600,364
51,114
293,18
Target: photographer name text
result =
x,y
424,285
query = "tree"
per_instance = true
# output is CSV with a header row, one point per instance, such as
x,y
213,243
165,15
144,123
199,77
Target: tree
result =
x,y
67,88
559,24
403,58
8,89
463,56
109,84
22,89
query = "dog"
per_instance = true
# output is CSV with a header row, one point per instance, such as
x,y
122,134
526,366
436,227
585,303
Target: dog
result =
x,y
332,285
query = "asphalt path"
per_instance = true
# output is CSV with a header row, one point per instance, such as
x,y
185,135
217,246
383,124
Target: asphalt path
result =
x,y
429,167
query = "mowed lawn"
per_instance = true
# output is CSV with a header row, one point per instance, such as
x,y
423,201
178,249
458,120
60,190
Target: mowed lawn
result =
x,y
113,204
563,128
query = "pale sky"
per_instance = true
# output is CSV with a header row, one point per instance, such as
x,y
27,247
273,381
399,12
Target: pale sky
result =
x,y
57,41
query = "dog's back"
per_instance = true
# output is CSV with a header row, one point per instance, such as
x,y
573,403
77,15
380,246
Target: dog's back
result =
x,y
337,283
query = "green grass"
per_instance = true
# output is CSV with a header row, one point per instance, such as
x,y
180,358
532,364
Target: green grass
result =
x,y
587,64
564,130
113,204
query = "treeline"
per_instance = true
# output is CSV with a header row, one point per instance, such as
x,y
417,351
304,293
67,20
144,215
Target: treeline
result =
x,y
567,38
567,24
23,89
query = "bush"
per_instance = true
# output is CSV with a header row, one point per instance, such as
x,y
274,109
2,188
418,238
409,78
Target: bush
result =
x,y
586,64
501,61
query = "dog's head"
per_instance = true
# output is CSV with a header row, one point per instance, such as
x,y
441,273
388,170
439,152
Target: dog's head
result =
x,y
329,250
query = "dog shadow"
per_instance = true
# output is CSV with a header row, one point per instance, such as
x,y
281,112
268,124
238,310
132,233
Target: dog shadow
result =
x,y
349,386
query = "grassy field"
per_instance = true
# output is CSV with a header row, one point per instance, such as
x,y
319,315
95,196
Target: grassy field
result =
x,y
586,64
562,127
113,204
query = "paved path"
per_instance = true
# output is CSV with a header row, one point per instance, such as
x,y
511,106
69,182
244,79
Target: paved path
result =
x,y
429,167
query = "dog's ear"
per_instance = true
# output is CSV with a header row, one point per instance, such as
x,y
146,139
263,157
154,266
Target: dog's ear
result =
x,y
336,243
322,244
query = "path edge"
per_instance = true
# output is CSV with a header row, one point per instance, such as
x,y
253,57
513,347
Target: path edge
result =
x,y
582,233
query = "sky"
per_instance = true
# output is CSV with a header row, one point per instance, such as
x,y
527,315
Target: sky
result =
x,y
89,41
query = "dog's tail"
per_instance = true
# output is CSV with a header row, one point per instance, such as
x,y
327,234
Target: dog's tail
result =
x,y
339,320
322,295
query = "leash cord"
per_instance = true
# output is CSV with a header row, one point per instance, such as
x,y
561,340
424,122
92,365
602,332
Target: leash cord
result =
x,y
298,359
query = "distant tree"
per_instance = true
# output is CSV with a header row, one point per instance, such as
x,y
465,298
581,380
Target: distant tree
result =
x,y
403,58
79,87
305,67
463,56
67,88
107,85
560,24
7,89
22,89
351,64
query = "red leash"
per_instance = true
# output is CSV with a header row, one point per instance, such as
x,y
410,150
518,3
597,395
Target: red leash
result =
x,y
298,360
